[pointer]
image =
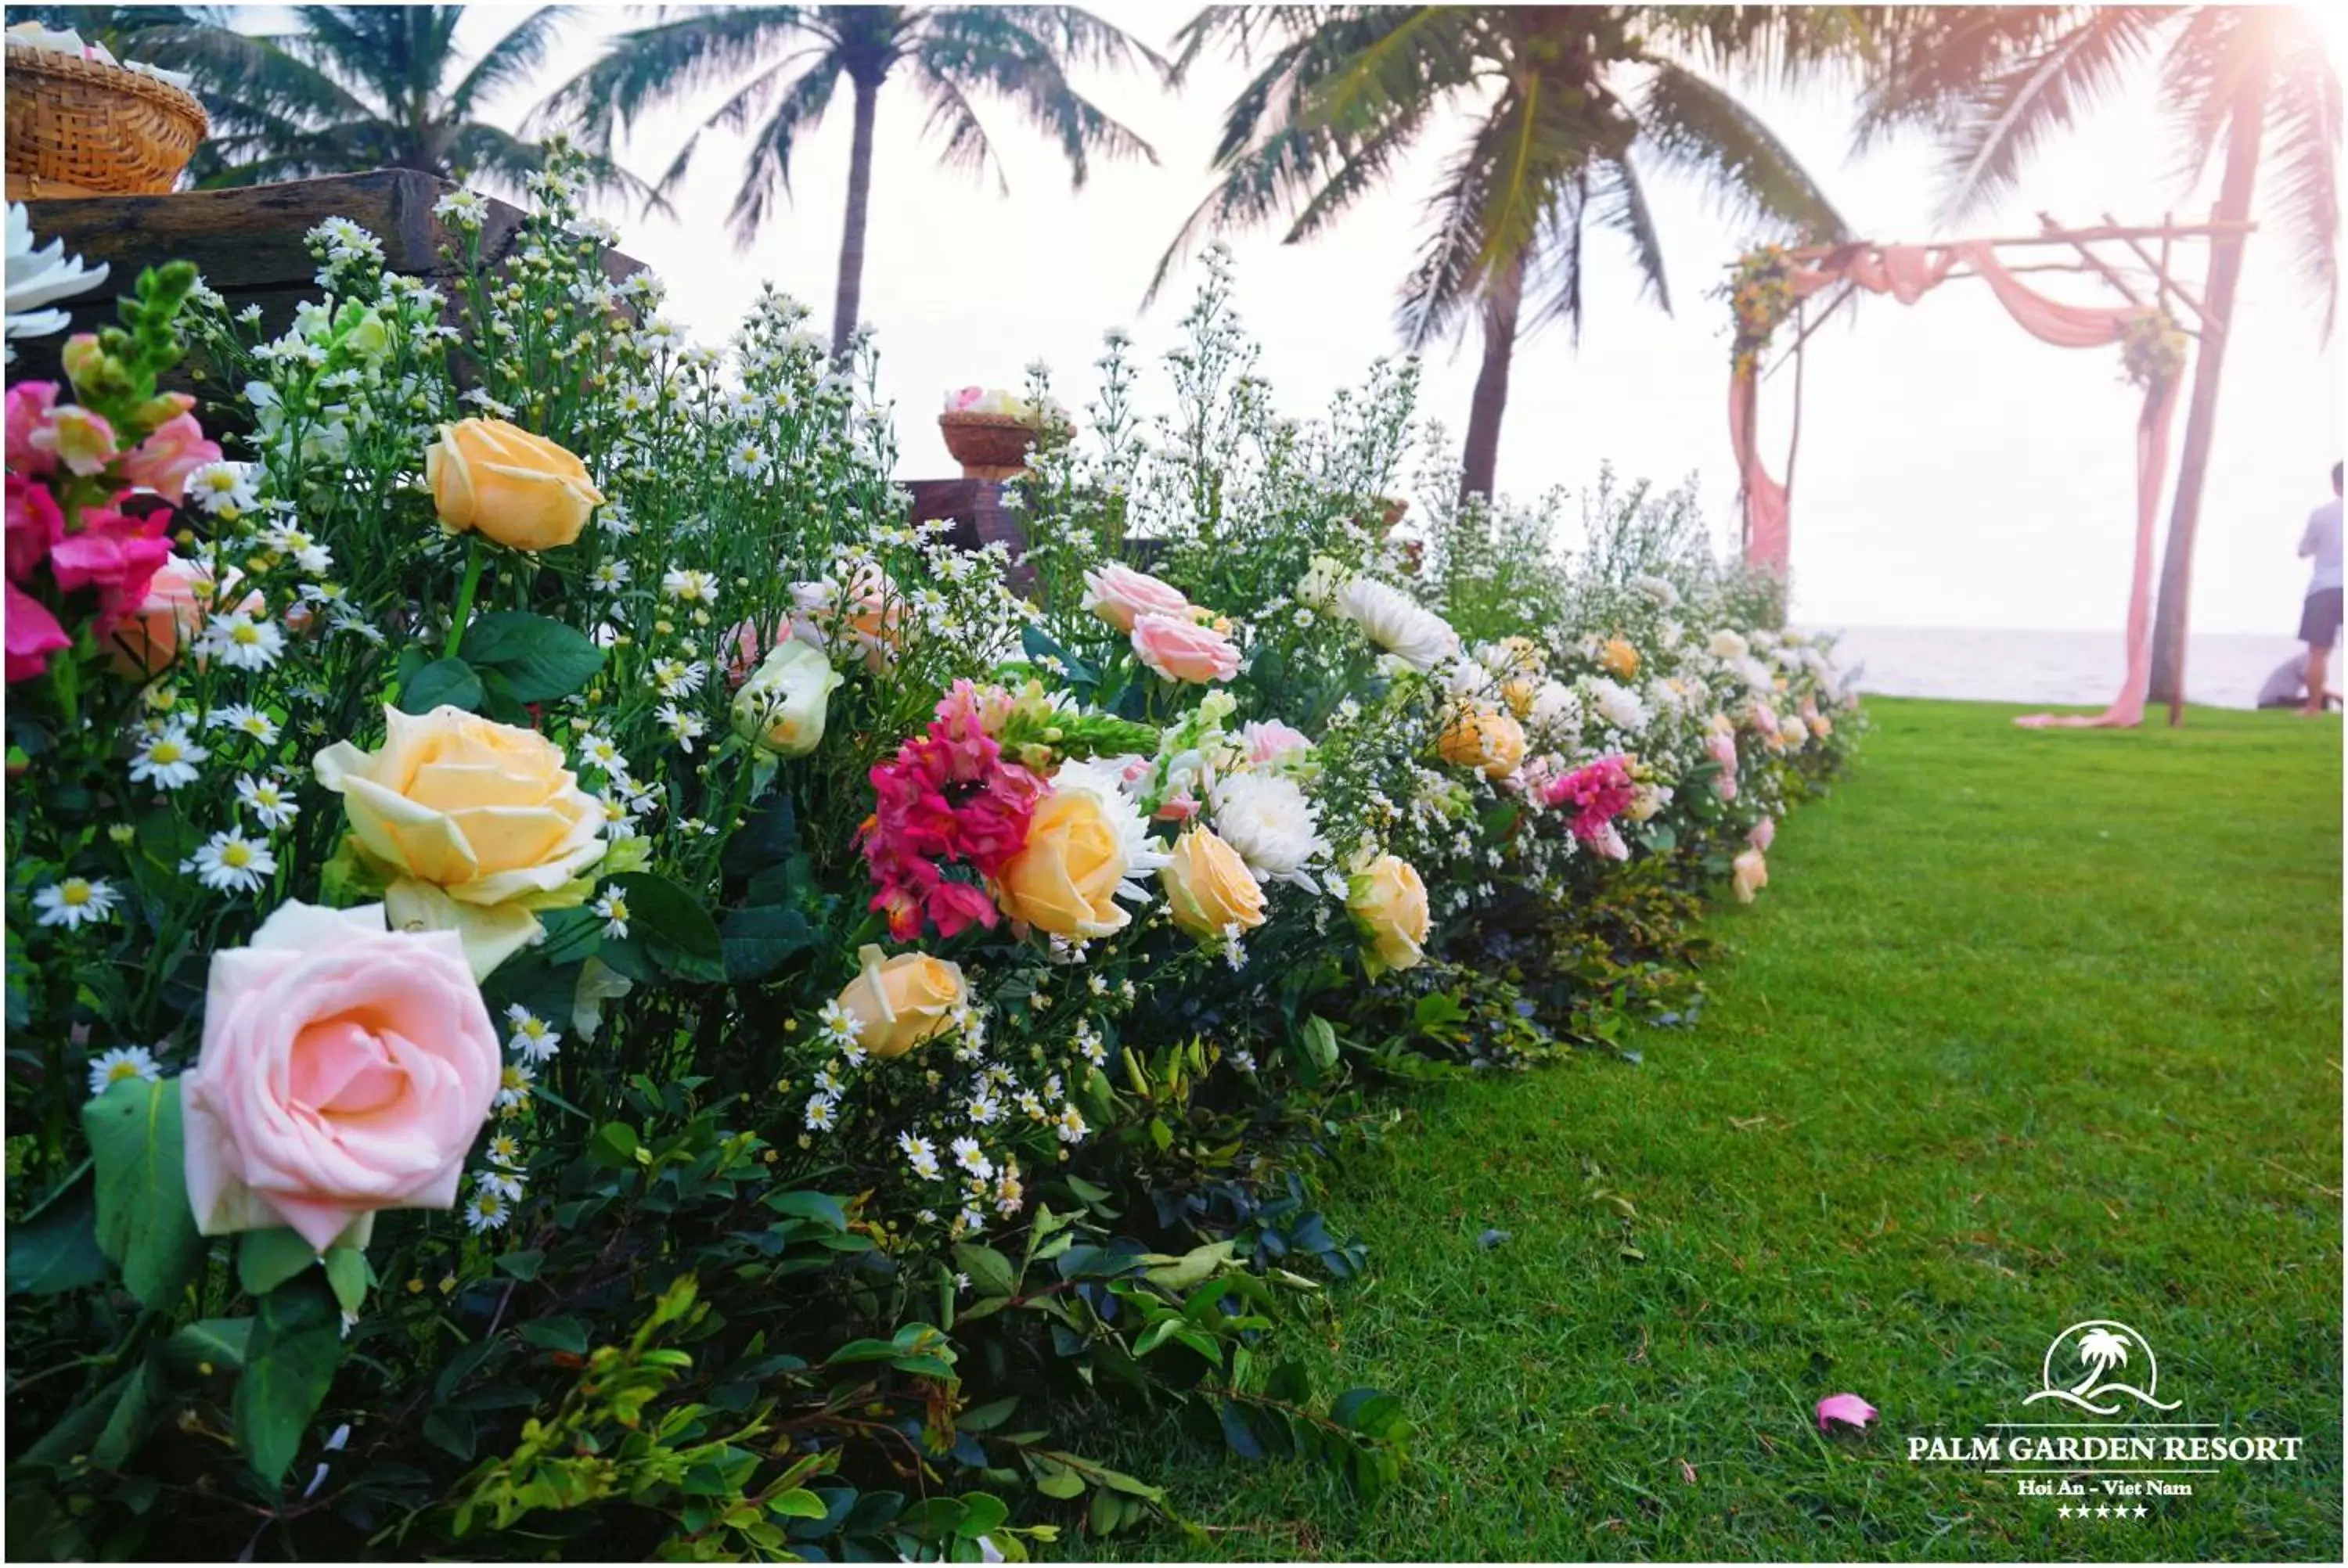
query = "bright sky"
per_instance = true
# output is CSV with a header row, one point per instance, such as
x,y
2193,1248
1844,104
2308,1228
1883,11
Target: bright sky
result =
x,y
1953,471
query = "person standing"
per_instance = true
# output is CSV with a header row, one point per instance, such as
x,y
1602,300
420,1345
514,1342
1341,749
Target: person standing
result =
x,y
2319,620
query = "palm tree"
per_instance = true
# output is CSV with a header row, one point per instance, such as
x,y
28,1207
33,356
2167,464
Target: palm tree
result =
x,y
2242,84
795,57
2100,1350
354,88
1561,109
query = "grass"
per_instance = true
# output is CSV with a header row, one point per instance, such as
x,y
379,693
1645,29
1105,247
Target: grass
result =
x,y
2029,1028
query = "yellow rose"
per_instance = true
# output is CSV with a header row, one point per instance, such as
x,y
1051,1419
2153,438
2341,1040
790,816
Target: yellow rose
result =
x,y
904,1001
1208,887
477,824
519,490
1483,738
1388,902
1064,879
1519,693
1619,659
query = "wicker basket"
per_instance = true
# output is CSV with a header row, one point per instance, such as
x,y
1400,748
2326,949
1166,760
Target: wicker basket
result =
x,y
988,446
82,127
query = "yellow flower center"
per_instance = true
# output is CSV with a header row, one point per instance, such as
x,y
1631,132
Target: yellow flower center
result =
x,y
73,891
236,855
164,751
246,634
121,1071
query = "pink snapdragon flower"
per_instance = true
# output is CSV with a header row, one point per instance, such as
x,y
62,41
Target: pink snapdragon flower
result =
x,y
33,635
31,412
947,798
35,526
75,436
115,552
163,461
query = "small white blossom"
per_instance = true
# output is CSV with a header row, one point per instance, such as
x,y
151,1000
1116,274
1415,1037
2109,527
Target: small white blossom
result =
x,y
231,862
168,760
111,1067
75,901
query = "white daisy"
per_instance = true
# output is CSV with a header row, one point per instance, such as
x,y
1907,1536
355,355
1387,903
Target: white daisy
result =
x,y
231,862
504,1149
75,901
838,1023
505,1183
166,761
919,1155
222,489
679,678
822,1112
268,799
613,908
487,1210
690,585
684,728
609,576
241,642
970,1158
515,1080
244,720
109,1068
286,539
1071,1127
530,1039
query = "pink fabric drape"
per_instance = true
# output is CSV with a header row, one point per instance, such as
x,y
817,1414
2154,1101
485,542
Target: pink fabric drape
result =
x,y
1907,272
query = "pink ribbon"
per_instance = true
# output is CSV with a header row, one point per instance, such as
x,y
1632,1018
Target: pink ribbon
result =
x,y
1907,272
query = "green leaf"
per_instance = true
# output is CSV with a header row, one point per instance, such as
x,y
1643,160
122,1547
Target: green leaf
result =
x,y
798,1503
614,1145
1056,1480
289,1365
144,1222
767,837
266,1259
523,1265
820,1208
566,1334
452,1430
450,682
539,659
756,942
56,1247
1321,1040
991,1272
981,1512
347,1276
677,930
988,1417
143,1394
219,1343
1040,645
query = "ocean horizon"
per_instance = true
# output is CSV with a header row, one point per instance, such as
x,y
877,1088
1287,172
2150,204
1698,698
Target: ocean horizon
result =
x,y
2062,669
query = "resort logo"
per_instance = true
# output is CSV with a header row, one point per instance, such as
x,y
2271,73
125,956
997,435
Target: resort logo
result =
x,y
2097,1366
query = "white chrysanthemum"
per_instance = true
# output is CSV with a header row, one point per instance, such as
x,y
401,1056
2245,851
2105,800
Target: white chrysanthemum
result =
x,y
1556,710
1467,677
1142,855
1268,823
1659,592
1618,705
1396,622
1756,674
1727,645
38,278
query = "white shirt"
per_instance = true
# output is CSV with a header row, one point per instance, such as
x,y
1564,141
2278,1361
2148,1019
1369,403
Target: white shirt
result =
x,y
2322,540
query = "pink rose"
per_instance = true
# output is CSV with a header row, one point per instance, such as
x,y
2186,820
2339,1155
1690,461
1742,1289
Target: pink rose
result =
x,y
1118,594
744,649
35,526
178,598
1763,833
345,1068
1180,807
1268,740
1721,746
30,412
1184,650
81,440
165,459
1748,873
33,635
966,400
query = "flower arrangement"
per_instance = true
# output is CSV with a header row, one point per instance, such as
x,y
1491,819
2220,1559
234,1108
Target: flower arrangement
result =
x,y
2152,349
576,979
1760,294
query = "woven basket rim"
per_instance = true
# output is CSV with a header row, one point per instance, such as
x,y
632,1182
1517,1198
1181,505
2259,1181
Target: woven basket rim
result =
x,y
989,421
37,61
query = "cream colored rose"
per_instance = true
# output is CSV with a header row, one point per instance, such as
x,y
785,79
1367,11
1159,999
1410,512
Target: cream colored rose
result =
x,y
902,1002
1748,874
1388,902
782,708
1483,738
1064,880
1209,889
477,824
515,488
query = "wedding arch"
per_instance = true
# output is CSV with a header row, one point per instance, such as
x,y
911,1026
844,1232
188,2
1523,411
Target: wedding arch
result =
x,y
1773,286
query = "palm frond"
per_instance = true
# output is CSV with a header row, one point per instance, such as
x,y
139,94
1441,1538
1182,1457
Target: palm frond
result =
x,y
1694,126
987,50
2304,122
2002,121
952,116
1620,202
767,176
648,66
516,54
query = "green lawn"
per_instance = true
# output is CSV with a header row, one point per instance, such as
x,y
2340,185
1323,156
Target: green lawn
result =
x,y
2029,1028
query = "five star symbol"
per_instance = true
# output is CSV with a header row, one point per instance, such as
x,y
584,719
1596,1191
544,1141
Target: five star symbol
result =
x,y
2103,1511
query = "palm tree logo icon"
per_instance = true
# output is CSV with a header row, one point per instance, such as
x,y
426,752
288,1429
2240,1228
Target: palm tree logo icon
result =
x,y
2088,1366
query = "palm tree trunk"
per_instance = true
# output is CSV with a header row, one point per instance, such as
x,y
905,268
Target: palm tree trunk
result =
x,y
1481,455
2246,121
849,296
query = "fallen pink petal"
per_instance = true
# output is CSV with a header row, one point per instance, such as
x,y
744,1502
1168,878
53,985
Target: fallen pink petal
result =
x,y
1849,1408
